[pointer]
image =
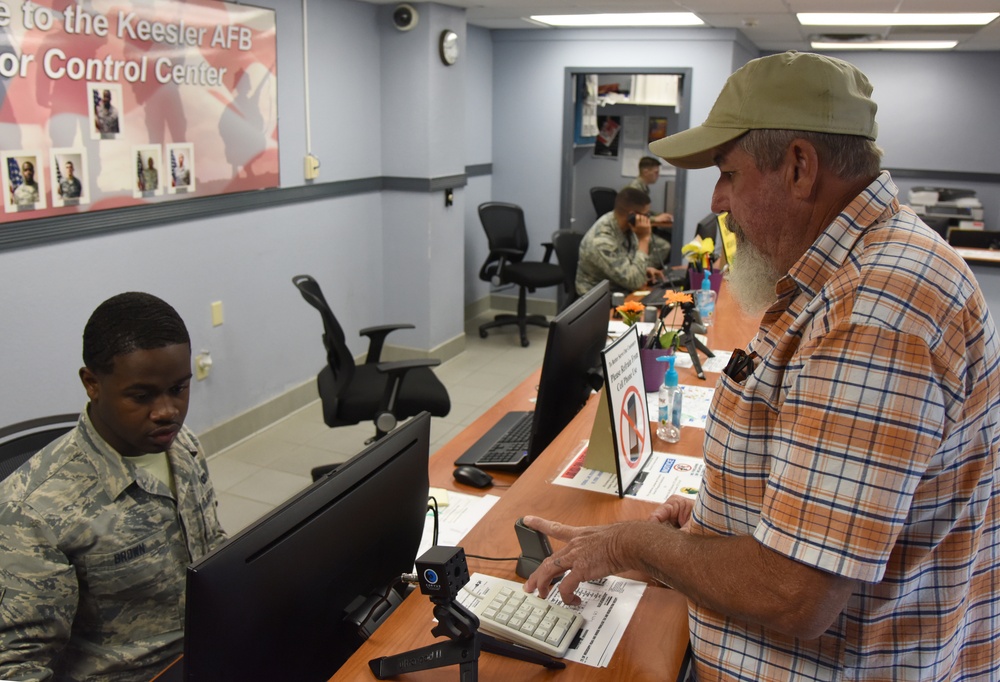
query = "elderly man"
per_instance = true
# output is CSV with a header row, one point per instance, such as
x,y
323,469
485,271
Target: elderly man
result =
x,y
848,524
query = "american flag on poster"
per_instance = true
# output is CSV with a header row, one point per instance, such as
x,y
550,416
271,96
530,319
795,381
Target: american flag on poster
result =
x,y
138,171
173,169
14,174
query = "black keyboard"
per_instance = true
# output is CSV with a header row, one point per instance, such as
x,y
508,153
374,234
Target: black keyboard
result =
x,y
505,446
675,279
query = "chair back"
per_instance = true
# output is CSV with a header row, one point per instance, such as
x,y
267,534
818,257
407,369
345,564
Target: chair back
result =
x,y
506,234
567,247
603,199
18,442
338,356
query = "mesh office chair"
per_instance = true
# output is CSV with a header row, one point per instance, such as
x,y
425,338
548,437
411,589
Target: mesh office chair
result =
x,y
505,264
567,247
384,392
603,199
18,442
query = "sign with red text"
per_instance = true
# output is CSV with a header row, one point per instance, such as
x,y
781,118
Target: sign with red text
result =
x,y
107,104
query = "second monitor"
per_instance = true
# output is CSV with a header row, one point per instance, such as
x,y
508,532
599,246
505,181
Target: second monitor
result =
x,y
571,369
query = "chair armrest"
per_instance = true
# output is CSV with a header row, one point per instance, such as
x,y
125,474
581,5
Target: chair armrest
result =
x,y
376,336
397,371
549,247
403,366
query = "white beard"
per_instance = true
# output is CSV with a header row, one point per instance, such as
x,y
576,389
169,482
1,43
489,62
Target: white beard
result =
x,y
751,277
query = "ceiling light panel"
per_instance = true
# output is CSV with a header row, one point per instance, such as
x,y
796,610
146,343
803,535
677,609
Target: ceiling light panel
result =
x,y
896,19
629,19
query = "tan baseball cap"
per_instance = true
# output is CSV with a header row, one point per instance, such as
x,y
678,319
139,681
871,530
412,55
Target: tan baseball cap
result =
x,y
788,91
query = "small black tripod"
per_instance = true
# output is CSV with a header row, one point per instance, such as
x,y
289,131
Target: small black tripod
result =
x,y
440,571
692,325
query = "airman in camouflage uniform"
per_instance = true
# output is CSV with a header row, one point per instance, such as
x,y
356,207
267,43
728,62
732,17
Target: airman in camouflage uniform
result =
x,y
649,173
95,545
627,256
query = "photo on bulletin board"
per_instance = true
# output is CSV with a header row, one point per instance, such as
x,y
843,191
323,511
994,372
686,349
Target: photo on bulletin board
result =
x,y
149,175
23,181
181,160
69,177
608,128
105,102
657,128
116,80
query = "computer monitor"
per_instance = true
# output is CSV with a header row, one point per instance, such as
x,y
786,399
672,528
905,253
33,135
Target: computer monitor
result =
x,y
571,366
270,604
708,227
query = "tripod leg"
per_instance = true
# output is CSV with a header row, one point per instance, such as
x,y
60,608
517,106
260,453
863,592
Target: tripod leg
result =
x,y
464,653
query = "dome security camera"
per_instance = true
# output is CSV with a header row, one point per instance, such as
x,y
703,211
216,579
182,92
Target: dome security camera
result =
x,y
404,17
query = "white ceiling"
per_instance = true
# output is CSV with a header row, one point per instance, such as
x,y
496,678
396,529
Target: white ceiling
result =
x,y
769,24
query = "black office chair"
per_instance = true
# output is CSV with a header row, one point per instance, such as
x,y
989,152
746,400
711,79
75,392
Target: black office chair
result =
x,y
508,240
603,199
18,442
384,392
567,247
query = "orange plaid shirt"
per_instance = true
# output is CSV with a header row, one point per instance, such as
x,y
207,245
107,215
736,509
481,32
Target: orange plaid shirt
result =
x,y
865,443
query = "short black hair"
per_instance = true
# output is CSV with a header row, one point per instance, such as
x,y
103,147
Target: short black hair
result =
x,y
126,323
631,199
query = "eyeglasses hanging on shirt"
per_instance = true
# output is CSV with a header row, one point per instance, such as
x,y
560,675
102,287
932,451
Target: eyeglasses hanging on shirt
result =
x,y
740,365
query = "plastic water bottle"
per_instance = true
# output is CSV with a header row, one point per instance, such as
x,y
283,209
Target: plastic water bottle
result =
x,y
669,401
705,299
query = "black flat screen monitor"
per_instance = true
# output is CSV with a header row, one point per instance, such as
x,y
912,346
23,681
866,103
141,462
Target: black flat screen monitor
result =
x,y
270,603
708,227
571,366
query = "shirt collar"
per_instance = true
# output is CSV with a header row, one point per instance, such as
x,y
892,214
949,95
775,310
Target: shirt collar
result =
x,y
832,248
112,470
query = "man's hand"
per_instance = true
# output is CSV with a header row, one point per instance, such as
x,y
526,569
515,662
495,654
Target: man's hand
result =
x,y
663,220
654,275
676,511
641,227
590,553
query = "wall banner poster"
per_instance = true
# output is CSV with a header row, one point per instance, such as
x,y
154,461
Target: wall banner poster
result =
x,y
106,104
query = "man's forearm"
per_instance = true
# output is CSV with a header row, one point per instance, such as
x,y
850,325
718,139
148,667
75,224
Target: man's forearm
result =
x,y
740,578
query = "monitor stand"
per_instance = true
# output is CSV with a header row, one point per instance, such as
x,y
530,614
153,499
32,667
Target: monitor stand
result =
x,y
464,643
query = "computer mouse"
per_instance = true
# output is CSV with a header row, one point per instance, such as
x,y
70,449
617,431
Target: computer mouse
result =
x,y
473,476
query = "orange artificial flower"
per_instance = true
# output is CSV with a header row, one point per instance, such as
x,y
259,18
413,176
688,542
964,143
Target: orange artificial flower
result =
x,y
672,297
631,311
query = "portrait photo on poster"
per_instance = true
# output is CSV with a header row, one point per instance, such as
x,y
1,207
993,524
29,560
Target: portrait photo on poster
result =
x,y
68,174
182,176
148,163
23,181
105,102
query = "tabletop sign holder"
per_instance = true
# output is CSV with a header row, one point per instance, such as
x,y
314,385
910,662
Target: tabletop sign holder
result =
x,y
442,571
620,441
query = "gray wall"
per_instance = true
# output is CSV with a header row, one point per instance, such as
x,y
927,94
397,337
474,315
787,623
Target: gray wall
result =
x,y
401,255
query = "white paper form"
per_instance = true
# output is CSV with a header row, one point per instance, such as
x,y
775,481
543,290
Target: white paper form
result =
x,y
694,409
665,474
455,520
606,605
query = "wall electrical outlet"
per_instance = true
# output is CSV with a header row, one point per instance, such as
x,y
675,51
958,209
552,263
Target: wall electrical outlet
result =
x,y
311,167
202,365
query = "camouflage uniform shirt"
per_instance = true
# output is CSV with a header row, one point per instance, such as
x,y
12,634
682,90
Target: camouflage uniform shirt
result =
x,y
638,184
94,556
608,253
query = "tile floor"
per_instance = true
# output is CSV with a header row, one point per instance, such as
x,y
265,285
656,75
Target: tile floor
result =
x,y
262,471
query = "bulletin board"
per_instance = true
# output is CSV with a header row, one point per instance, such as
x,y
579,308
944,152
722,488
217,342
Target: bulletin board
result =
x,y
105,104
